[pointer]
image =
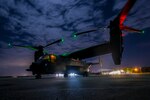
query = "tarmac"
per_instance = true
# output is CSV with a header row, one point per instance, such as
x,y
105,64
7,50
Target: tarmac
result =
x,y
117,87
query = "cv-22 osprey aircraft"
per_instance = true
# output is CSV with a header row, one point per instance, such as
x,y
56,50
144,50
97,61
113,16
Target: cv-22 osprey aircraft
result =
x,y
69,63
45,63
115,45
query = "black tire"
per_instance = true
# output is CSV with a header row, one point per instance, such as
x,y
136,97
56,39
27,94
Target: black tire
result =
x,y
85,74
65,75
38,76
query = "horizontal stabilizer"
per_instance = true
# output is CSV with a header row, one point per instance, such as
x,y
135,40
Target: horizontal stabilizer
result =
x,y
129,29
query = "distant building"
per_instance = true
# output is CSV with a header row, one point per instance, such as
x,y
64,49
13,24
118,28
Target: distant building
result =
x,y
135,69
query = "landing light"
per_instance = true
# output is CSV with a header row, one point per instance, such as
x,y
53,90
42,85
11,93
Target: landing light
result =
x,y
72,74
9,44
59,75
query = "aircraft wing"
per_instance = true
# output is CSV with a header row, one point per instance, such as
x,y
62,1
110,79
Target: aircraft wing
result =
x,y
91,51
124,12
129,29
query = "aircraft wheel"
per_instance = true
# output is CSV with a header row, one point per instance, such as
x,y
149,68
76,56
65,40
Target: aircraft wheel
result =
x,y
33,73
85,74
65,75
38,76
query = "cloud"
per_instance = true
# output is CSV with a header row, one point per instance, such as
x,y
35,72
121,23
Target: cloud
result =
x,y
139,16
34,22
119,4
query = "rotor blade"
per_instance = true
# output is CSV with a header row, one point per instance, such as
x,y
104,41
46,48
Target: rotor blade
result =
x,y
85,32
123,14
28,47
92,30
57,41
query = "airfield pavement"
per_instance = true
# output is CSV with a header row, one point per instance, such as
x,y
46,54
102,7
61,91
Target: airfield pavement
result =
x,y
124,87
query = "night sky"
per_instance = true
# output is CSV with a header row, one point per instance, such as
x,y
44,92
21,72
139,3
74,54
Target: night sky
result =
x,y
38,22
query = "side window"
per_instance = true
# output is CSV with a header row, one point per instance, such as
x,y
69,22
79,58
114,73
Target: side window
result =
x,y
47,57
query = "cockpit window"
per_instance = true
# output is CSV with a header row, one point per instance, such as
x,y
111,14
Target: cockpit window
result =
x,y
51,58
